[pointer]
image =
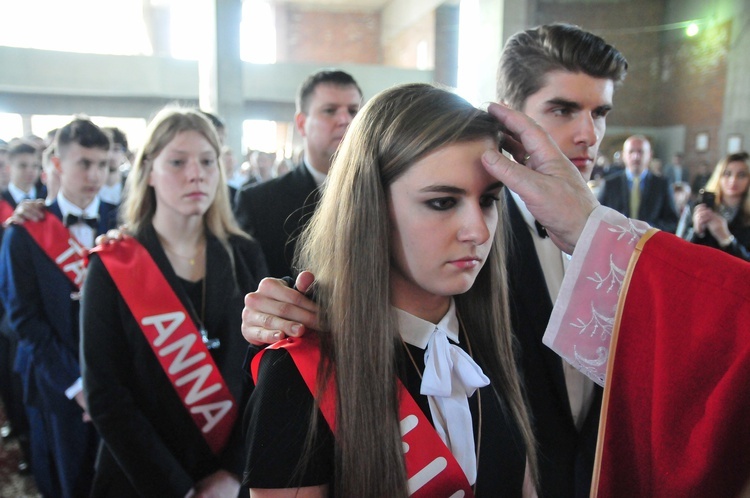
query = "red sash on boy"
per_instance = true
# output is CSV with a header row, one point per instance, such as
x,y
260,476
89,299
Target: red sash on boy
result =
x,y
675,409
174,338
6,210
431,469
58,243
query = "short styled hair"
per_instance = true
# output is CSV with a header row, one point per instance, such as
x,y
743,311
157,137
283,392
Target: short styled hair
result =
x,y
83,132
21,146
306,89
529,55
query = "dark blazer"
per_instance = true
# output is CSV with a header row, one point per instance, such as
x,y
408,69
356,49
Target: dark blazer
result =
x,y
150,445
740,247
41,193
657,202
274,212
40,309
43,314
566,456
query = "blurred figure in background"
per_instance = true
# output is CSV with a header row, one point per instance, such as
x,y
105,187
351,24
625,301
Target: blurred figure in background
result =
x,y
721,217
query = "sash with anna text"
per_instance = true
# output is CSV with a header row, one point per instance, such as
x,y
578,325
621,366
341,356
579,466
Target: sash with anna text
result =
x,y
174,339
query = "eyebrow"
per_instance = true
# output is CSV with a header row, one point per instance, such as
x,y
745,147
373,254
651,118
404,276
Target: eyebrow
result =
x,y
570,104
448,189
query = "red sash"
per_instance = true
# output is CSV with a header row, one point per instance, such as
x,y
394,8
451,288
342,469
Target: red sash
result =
x,y
6,210
60,245
675,409
174,338
431,469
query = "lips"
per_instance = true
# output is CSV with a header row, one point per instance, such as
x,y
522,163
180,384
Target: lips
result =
x,y
466,263
581,162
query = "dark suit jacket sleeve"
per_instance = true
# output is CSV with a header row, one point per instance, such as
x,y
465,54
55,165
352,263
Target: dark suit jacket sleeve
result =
x,y
128,434
25,266
667,218
243,211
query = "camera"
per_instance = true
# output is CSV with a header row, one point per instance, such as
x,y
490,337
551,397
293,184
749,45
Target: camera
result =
x,y
707,198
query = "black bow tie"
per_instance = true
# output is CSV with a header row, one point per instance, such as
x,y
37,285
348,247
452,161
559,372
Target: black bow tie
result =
x,y
540,229
71,219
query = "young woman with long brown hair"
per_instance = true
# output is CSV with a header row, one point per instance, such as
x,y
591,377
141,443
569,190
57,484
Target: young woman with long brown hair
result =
x,y
406,247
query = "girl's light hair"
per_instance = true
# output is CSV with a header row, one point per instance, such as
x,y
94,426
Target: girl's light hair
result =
x,y
139,204
347,246
714,182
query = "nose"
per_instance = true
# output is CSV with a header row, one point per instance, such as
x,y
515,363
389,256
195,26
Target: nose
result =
x,y
343,117
474,227
195,171
586,130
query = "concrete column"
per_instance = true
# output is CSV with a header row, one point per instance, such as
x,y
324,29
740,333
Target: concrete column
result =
x,y
220,68
499,19
446,45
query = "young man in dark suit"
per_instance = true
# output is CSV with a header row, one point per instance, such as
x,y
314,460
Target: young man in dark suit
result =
x,y
40,285
638,193
564,78
275,211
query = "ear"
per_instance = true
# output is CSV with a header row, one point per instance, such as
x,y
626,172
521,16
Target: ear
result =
x,y
299,121
56,163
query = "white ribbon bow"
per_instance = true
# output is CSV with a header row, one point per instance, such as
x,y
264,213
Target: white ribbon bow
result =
x,y
450,377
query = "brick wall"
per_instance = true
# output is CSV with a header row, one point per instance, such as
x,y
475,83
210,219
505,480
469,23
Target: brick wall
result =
x,y
327,37
637,101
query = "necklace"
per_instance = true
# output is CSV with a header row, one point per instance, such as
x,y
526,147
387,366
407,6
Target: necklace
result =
x,y
479,391
189,259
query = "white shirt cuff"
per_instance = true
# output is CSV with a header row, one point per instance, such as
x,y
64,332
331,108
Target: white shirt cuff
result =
x,y
76,388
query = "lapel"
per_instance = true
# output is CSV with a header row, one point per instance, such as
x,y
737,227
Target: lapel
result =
x,y
9,198
54,208
528,293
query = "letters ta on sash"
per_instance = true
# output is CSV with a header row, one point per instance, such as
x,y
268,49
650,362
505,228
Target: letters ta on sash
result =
x,y
71,261
193,376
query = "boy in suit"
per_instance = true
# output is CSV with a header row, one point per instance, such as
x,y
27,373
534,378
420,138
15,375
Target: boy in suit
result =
x,y
41,270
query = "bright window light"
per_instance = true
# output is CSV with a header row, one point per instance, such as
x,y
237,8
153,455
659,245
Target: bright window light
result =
x,y
11,126
88,26
259,135
468,50
258,32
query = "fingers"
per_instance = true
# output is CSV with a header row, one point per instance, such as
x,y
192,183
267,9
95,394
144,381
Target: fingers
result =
x,y
275,311
304,281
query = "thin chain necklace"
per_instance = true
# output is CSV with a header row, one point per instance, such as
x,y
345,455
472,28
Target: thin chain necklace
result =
x,y
479,392
190,259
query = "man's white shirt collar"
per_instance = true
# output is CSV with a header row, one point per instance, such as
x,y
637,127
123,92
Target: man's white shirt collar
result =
x,y
19,195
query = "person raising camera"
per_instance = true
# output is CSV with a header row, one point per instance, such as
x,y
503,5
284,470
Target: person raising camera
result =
x,y
721,217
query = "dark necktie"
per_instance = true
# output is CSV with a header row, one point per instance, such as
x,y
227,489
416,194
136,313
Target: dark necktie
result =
x,y
540,229
72,219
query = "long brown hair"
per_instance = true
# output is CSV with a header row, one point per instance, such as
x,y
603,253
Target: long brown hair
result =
x,y
347,246
139,204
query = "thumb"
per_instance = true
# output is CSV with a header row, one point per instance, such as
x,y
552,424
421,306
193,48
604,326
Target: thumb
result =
x,y
511,173
304,281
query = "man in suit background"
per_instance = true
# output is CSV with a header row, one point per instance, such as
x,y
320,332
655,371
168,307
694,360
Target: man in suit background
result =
x,y
275,211
675,172
564,78
638,193
43,310
24,171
